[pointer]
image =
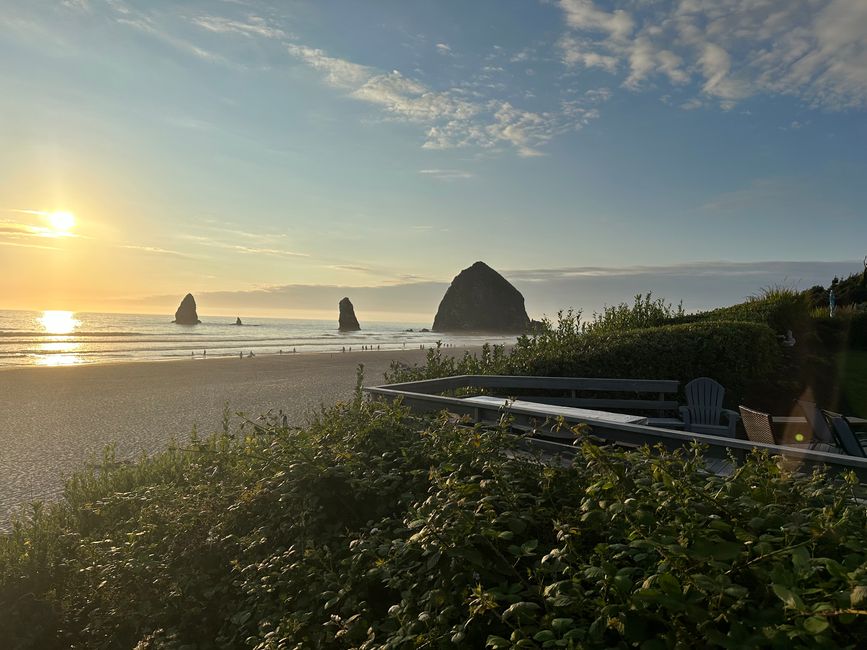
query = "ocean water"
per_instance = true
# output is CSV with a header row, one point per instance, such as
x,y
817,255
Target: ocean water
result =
x,y
59,338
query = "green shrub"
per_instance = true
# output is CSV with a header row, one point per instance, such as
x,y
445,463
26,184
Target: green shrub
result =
x,y
848,329
741,356
644,312
780,309
371,529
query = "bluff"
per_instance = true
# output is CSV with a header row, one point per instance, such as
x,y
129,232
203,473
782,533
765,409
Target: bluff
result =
x,y
347,321
186,313
480,299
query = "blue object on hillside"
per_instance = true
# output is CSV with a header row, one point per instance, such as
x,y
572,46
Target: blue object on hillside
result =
x,y
832,302
704,411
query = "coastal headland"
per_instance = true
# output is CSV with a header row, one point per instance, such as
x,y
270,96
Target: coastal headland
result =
x,y
56,419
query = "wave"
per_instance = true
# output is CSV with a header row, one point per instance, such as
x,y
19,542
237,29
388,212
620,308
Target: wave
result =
x,y
43,334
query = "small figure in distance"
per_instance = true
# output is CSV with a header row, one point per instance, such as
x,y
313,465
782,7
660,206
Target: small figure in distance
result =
x,y
293,350
204,353
280,352
241,355
251,355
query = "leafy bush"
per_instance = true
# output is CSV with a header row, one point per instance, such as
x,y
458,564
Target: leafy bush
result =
x,y
741,356
848,329
372,529
849,291
644,312
779,308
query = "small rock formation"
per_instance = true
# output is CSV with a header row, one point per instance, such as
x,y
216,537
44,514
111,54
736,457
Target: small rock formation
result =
x,y
348,322
238,321
186,313
480,299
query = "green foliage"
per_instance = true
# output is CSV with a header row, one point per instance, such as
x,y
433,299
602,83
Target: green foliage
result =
x,y
737,354
847,292
779,308
644,312
372,529
847,330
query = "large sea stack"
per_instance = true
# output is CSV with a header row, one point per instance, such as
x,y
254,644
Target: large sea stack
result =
x,y
481,300
348,322
186,313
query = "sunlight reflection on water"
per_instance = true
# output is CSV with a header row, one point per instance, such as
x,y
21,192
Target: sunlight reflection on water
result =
x,y
59,351
58,322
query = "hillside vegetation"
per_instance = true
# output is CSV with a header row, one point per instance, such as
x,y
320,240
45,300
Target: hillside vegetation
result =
x,y
739,346
374,529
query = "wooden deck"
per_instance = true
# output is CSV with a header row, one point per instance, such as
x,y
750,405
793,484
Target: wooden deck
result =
x,y
422,396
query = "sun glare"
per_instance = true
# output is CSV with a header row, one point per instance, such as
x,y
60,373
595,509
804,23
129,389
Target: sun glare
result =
x,y
59,322
61,222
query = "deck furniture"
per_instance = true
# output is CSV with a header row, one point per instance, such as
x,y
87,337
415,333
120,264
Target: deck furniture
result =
x,y
553,411
427,396
847,439
704,412
818,422
655,399
759,428
757,425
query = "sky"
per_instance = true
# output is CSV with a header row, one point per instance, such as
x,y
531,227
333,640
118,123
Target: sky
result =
x,y
271,157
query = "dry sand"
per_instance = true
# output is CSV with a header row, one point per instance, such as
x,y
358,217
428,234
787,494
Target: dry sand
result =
x,y
55,419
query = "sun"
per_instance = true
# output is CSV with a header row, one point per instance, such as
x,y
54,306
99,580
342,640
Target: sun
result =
x,y
61,222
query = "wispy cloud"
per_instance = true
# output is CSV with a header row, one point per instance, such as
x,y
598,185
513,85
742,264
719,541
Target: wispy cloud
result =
x,y
452,120
16,232
732,49
258,245
253,26
445,174
714,268
156,250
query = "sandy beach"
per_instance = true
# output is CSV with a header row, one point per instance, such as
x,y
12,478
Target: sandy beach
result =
x,y
55,419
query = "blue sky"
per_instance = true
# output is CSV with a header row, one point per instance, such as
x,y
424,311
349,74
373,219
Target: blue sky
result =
x,y
248,150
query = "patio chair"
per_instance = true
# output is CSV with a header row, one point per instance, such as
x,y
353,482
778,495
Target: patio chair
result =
x,y
848,441
757,425
703,410
818,422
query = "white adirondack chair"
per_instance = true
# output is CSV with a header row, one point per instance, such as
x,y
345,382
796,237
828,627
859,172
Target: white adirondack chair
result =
x,y
703,411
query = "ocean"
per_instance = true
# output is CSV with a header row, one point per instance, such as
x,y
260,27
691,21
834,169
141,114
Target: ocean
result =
x,y
63,338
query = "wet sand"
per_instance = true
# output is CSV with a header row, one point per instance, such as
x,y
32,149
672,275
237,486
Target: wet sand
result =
x,y
55,419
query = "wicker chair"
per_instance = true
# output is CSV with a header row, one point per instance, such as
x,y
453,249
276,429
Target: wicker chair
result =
x,y
757,426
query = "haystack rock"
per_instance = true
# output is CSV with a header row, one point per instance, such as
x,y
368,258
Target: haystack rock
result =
x,y
238,321
481,300
186,313
348,322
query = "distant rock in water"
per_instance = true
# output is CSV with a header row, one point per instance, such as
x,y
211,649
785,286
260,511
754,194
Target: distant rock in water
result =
x,y
186,313
238,321
348,322
481,300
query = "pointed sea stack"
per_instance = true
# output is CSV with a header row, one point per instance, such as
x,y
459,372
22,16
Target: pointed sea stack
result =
x,y
186,313
238,321
348,322
481,300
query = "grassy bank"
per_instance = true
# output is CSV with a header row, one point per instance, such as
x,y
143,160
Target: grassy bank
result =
x,y
372,528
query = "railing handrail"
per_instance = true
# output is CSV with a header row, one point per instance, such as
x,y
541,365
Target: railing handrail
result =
x,y
633,434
